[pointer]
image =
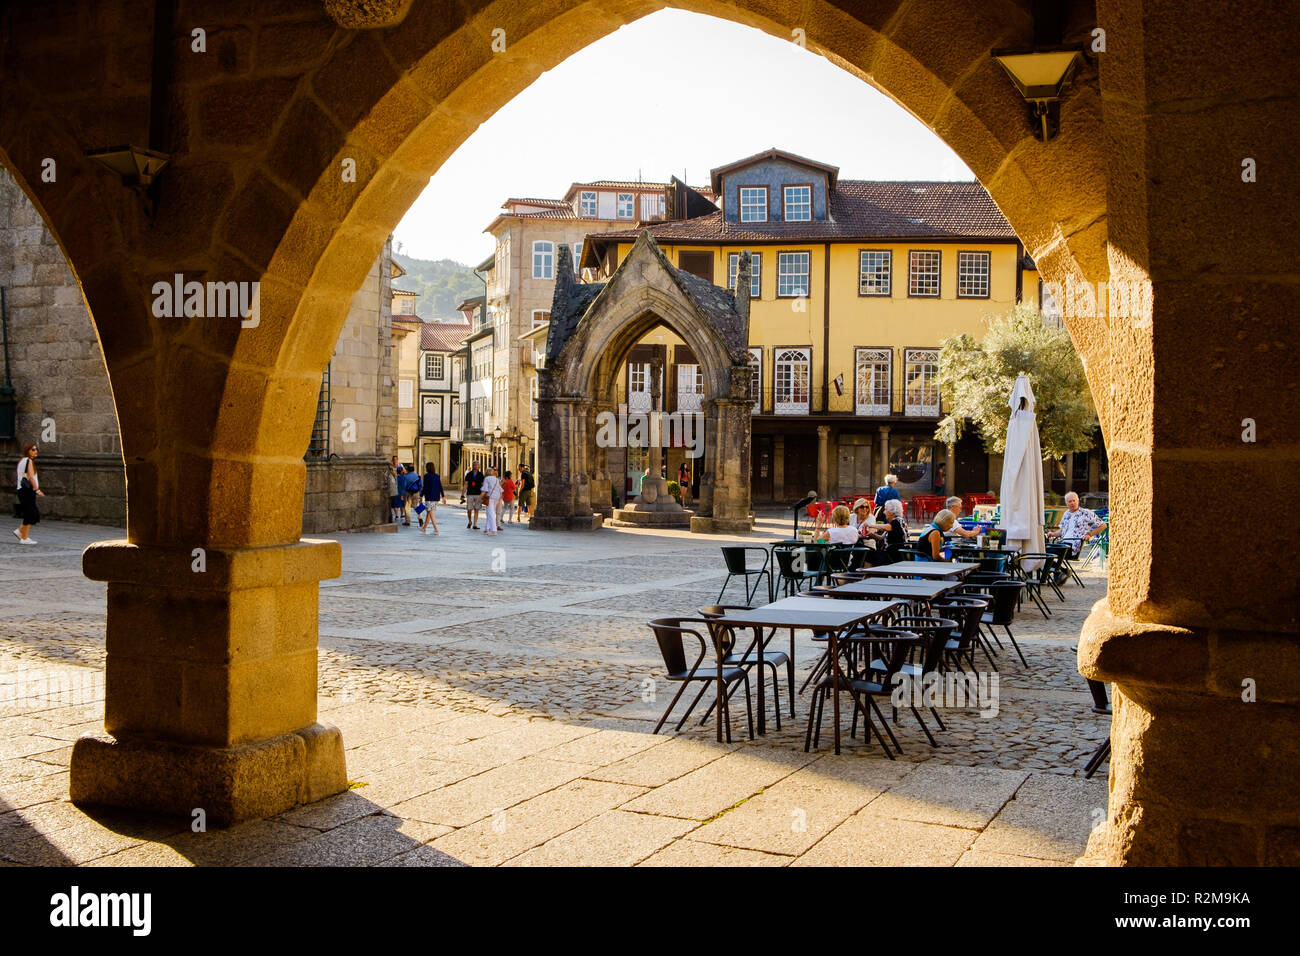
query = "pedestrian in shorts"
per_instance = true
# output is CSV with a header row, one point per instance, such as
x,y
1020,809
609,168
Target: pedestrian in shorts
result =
x,y
473,491
432,493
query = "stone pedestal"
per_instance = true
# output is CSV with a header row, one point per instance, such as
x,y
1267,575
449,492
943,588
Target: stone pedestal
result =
x,y
211,682
655,508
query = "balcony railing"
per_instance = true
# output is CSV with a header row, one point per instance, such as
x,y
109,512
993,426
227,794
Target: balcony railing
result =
x,y
922,404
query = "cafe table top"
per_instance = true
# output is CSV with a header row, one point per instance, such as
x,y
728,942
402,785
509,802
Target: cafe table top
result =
x,y
816,614
895,588
921,569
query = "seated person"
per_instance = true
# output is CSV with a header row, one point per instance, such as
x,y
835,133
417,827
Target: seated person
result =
x,y
841,531
931,540
1077,525
955,504
896,536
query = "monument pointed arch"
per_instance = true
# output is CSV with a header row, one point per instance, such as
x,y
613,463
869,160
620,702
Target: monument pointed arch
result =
x,y
594,326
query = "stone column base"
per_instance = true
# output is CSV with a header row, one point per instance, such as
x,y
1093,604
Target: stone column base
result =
x,y
230,784
566,523
722,525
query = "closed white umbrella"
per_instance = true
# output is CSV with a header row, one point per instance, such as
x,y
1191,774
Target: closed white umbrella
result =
x,y
1022,475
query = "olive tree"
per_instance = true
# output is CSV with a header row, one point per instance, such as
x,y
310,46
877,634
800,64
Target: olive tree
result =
x,y
976,379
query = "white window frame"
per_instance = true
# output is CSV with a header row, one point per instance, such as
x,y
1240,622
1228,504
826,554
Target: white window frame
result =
x,y
783,273
545,317
798,204
652,205
639,396
431,401
974,268
543,259
577,256
792,378
756,379
755,273
630,199
870,388
931,261
690,388
747,209
878,264
406,393
921,366
587,196
532,398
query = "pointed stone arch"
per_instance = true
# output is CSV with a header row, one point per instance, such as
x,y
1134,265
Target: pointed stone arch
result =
x,y
593,327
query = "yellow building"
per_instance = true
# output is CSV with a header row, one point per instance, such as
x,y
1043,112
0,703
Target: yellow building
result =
x,y
854,286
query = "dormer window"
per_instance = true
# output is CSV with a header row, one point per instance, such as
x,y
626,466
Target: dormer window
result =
x,y
798,203
588,205
753,204
626,205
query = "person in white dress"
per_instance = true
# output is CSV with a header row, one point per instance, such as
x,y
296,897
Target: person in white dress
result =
x,y
492,500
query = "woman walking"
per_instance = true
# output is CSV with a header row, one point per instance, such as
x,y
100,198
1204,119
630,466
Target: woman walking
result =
x,y
507,500
29,489
492,500
433,493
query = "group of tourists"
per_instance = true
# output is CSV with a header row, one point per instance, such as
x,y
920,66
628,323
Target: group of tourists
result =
x,y
501,499
880,527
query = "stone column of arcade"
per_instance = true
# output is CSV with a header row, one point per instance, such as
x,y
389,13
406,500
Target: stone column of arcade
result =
x,y
1199,638
212,598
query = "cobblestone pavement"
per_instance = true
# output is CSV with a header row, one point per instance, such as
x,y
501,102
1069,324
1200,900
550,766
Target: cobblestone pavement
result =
x,y
496,697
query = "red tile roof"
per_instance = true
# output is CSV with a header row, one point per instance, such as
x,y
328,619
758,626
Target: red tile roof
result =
x,y
538,202
860,210
443,336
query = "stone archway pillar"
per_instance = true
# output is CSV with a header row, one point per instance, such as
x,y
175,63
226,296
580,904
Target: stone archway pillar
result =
x,y
564,463
727,452
602,502
210,682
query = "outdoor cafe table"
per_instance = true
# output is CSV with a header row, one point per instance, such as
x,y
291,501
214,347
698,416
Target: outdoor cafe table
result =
x,y
921,569
819,615
899,588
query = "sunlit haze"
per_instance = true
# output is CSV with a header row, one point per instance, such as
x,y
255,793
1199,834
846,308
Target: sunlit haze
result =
x,y
674,93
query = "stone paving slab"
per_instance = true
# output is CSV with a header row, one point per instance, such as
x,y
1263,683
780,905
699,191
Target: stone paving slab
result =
x,y
952,796
866,840
790,816
615,838
687,852
721,784
494,840
462,803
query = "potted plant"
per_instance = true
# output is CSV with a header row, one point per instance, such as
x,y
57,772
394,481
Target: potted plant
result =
x,y
675,490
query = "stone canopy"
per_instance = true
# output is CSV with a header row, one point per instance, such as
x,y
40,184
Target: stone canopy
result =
x,y
593,326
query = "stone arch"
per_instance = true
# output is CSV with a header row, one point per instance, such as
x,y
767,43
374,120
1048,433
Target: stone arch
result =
x,y
593,327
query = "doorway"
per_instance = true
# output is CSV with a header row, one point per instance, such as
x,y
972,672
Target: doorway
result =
x,y
800,466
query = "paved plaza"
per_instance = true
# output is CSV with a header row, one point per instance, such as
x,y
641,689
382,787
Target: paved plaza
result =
x,y
496,697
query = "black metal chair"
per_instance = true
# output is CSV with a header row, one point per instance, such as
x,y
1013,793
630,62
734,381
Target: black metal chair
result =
x,y
1034,579
748,658
864,684
968,611
671,636
1064,551
1006,595
794,573
934,633
738,566
1100,705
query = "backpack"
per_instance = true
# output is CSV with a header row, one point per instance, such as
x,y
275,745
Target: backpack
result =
x,y
413,485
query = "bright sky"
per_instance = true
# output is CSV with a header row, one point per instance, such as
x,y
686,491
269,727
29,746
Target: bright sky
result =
x,y
674,93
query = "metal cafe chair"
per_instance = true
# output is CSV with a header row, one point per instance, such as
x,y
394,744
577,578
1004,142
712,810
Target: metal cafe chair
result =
x,y
748,658
1064,550
671,636
738,566
890,652
792,576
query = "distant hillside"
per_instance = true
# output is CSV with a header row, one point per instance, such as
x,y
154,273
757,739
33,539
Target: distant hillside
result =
x,y
442,285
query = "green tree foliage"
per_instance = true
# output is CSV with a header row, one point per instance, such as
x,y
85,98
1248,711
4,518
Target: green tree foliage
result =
x,y
441,285
976,379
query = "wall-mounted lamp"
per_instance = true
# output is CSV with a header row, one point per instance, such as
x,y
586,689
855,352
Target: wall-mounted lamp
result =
x,y
135,165
1041,76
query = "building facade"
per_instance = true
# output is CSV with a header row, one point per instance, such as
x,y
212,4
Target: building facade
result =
x,y
438,396
854,286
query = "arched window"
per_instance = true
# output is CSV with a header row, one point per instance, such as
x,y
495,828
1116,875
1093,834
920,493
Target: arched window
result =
x,y
792,378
